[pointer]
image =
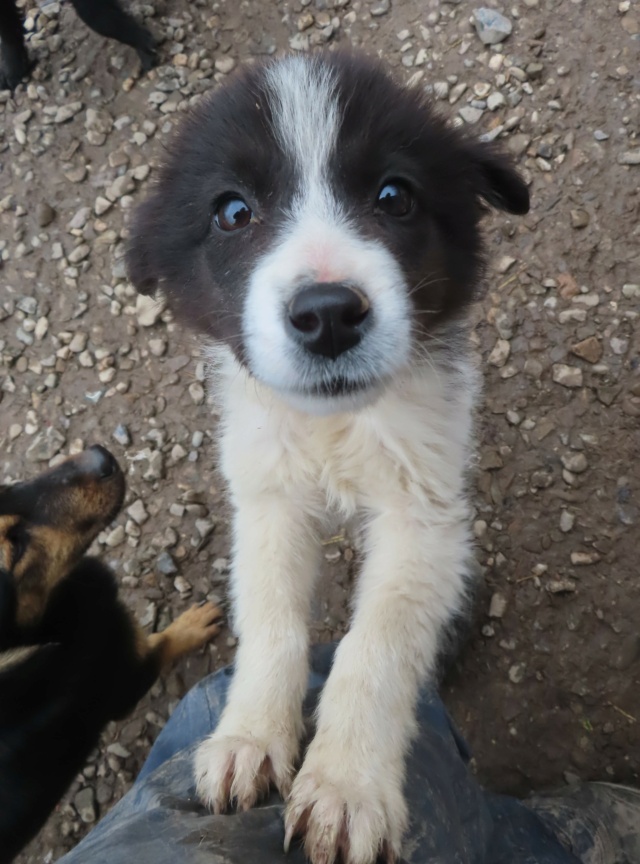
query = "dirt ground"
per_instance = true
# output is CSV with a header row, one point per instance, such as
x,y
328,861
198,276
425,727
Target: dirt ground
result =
x,y
548,689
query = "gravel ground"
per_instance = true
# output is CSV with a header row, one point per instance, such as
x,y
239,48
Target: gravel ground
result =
x,y
548,688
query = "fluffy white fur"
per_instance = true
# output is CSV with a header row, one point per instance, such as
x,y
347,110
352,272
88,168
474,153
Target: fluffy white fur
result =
x,y
400,462
396,456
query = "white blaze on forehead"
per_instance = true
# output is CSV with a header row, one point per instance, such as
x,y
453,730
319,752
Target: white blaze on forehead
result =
x,y
306,119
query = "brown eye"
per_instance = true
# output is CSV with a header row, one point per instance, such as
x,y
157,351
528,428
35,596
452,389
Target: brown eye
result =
x,y
394,199
232,214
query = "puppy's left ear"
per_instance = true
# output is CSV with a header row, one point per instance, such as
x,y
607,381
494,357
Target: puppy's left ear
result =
x,y
498,182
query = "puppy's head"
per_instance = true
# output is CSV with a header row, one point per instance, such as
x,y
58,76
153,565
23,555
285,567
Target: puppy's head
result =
x,y
322,221
47,524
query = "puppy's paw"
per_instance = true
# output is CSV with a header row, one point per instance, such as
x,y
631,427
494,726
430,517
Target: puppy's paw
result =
x,y
194,628
344,812
241,768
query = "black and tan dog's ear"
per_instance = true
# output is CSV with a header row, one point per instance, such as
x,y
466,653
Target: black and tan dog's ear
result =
x,y
497,181
141,258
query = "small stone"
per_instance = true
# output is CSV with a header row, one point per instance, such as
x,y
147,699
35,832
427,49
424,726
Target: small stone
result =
x,y
495,101
158,347
516,673
182,586
567,521
498,605
116,749
500,353
567,376
137,512
584,559
204,527
46,445
45,214
575,462
441,89
66,112
165,564
561,586
121,186
381,8
631,292
579,218
148,310
492,26
470,114
155,471
115,537
102,205
84,803
121,435
630,157
505,263
225,65
589,349
196,391
78,343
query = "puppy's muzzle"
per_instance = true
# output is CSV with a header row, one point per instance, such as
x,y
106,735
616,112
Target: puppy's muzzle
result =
x,y
328,318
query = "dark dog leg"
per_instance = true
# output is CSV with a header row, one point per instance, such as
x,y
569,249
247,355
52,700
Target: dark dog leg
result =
x,y
14,60
109,19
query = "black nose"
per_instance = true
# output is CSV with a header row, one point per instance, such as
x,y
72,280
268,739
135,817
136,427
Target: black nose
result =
x,y
328,318
98,462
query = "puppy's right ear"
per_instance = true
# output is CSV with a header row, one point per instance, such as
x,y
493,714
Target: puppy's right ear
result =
x,y
141,256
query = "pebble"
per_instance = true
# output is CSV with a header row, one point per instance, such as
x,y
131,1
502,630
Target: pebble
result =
x,y
498,605
148,310
380,8
45,214
584,559
138,512
492,26
567,376
121,435
165,564
84,803
589,349
115,537
225,65
579,218
45,445
575,462
630,157
495,100
516,673
500,353
561,586
470,114
567,521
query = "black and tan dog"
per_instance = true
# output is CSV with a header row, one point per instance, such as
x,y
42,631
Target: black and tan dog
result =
x,y
71,656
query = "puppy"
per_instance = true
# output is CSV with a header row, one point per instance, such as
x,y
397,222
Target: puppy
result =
x,y
318,225
71,656
106,17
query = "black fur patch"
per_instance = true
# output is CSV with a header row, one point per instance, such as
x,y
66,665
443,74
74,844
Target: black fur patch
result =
x,y
227,145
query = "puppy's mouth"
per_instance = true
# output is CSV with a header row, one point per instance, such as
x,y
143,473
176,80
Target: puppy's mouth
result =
x,y
338,387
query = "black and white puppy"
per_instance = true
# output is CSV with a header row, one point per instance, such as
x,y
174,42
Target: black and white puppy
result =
x,y
106,17
318,224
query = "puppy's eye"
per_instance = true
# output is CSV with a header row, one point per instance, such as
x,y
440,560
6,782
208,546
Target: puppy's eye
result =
x,y
394,199
232,214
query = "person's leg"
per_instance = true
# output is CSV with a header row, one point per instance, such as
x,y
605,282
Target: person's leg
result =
x,y
161,821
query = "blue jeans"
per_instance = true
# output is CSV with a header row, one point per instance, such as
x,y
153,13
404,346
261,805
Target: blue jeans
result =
x,y
452,819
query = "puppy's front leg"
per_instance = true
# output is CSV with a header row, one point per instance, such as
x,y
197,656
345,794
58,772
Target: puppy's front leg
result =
x,y
348,796
256,742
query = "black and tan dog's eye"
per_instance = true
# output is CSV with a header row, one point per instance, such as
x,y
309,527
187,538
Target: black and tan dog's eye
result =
x,y
394,199
232,214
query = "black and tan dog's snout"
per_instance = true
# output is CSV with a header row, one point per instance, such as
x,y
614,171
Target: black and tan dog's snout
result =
x,y
46,524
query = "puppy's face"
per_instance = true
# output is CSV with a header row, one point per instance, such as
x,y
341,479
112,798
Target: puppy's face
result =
x,y
47,524
321,221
